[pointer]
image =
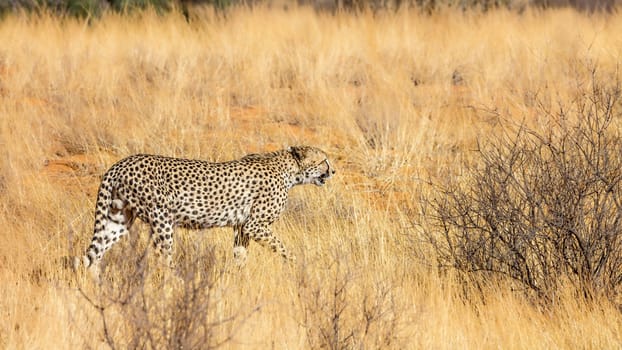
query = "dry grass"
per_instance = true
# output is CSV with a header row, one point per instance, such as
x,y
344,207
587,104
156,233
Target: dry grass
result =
x,y
376,92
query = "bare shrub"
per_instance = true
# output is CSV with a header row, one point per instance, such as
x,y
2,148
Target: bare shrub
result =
x,y
156,308
541,206
339,313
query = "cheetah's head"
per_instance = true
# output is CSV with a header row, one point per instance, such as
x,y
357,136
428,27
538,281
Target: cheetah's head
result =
x,y
314,165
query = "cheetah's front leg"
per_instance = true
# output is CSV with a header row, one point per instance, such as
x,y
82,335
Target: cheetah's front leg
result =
x,y
262,234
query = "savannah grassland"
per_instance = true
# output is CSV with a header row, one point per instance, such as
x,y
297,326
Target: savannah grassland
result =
x,y
375,92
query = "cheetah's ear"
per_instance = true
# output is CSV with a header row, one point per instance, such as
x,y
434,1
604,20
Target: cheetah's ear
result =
x,y
296,152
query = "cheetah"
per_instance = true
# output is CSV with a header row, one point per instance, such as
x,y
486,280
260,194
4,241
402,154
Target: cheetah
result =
x,y
248,194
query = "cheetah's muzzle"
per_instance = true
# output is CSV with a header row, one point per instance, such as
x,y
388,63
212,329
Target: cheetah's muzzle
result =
x,y
330,171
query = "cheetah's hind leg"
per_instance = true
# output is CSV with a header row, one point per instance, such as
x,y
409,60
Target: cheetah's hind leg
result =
x,y
162,238
240,246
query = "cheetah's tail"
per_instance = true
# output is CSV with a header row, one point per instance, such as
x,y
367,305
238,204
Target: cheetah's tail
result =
x,y
102,213
79,261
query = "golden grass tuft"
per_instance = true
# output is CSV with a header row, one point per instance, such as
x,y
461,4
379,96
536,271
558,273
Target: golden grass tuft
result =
x,y
393,98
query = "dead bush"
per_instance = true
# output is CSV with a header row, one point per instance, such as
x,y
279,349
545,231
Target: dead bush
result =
x,y
541,206
148,306
340,312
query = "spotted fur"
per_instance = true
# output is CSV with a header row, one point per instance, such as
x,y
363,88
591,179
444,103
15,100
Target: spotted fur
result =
x,y
248,194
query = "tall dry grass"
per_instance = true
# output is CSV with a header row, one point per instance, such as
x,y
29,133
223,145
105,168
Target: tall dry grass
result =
x,y
393,98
